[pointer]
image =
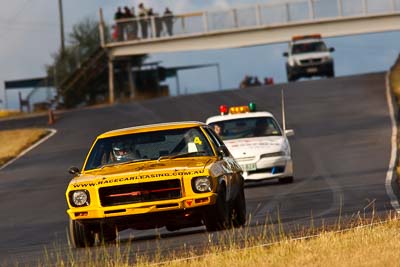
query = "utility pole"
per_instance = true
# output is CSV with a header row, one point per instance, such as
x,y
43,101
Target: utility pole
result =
x,y
60,10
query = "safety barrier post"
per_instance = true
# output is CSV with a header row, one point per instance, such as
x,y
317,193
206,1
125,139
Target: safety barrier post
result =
x,y
183,24
205,21
365,7
153,26
340,8
393,5
235,18
311,12
287,12
258,15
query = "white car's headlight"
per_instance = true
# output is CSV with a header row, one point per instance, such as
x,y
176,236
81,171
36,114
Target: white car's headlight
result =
x,y
201,184
292,62
326,59
275,154
79,198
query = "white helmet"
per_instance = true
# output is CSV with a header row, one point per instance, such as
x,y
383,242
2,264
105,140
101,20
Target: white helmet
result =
x,y
121,151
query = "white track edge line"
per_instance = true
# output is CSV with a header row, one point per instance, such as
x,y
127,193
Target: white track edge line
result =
x,y
52,132
388,183
390,173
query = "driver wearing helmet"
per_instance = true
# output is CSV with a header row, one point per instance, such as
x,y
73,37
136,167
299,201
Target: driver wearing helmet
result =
x,y
122,152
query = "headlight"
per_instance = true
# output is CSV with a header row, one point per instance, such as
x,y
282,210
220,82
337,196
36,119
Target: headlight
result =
x,y
326,59
79,198
275,154
201,184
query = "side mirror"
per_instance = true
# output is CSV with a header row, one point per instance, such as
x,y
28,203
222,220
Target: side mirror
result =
x,y
289,132
221,152
74,171
331,49
285,54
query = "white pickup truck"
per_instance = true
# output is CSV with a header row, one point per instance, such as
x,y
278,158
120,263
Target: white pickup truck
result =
x,y
308,56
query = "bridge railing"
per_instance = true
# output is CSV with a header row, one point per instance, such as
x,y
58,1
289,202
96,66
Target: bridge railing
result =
x,y
245,17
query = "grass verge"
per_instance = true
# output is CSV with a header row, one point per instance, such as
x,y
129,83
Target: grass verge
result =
x,y
369,243
9,113
13,142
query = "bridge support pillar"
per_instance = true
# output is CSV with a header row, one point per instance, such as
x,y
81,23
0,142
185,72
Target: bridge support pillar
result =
x,y
132,87
111,81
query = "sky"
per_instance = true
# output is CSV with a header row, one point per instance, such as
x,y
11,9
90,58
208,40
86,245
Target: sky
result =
x,y
29,30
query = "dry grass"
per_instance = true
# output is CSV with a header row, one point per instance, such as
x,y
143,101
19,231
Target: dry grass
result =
x,y
9,113
368,246
13,142
365,245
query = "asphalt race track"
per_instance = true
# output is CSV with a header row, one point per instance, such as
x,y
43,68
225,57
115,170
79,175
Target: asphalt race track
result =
x,y
341,152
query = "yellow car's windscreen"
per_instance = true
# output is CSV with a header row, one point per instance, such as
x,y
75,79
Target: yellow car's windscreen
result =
x,y
148,146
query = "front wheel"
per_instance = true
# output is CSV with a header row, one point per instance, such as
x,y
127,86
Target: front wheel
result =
x,y
81,235
219,215
239,209
107,234
286,180
291,77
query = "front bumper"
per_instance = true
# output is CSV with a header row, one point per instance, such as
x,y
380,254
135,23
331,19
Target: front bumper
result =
x,y
98,212
268,168
312,69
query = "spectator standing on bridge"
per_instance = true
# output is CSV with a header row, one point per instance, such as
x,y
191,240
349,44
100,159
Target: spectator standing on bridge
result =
x,y
143,14
168,19
157,22
126,25
119,28
134,24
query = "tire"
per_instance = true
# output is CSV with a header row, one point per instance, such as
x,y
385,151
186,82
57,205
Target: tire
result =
x,y
286,180
331,73
172,228
239,209
219,215
81,235
291,77
107,234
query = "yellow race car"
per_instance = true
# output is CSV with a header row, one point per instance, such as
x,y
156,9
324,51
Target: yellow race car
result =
x,y
172,175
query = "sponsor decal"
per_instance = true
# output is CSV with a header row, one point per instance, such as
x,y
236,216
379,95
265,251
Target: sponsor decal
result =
x,y
251,144
138,178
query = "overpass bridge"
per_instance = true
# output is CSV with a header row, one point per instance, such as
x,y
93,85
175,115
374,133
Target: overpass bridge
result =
x,y
250,25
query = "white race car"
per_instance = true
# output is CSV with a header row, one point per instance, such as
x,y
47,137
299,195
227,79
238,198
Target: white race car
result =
x,y
256,141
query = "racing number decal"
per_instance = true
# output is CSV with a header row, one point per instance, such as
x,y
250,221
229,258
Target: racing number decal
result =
x,y
197,141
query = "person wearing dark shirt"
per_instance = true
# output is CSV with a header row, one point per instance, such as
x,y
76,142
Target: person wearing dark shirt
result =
x,y
168,19
119,27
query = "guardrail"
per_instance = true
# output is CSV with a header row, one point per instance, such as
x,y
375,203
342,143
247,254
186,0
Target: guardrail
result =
x,y
244,17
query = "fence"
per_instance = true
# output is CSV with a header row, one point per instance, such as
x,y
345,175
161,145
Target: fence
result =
x,y
247,17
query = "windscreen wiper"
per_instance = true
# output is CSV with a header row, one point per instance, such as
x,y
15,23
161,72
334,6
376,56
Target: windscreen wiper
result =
x,y
182,155
124,162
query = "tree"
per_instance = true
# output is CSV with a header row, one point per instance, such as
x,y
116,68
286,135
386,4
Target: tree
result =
x,y
79,73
